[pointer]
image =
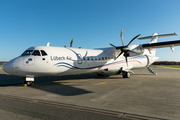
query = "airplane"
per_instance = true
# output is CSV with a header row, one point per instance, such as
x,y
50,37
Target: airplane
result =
x,y
41,61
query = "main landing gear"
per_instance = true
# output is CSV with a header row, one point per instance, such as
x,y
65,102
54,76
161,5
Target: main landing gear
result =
x,y
126,75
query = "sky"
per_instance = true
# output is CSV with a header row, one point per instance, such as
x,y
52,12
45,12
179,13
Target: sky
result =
x,y
92,24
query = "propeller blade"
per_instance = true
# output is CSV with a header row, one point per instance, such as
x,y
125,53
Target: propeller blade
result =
x,y
71,43
119,54
126,61
122,37
133,39
112,45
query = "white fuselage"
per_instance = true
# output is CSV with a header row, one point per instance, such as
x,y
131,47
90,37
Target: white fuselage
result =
x,y
68,61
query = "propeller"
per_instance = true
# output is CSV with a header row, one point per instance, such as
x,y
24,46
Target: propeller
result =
x,y
125,49
70,43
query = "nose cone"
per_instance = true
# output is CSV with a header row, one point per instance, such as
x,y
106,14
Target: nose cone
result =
x,y
8,67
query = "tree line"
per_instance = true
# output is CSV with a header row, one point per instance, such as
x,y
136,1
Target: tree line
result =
x,y
2,63
166,63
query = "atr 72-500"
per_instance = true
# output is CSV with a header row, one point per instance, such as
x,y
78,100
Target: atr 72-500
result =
x,y
40,61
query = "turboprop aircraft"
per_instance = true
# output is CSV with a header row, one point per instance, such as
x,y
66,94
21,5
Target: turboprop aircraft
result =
x,y
40,61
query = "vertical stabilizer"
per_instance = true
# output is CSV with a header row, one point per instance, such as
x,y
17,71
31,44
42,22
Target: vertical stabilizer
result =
x,y
152,52
154,38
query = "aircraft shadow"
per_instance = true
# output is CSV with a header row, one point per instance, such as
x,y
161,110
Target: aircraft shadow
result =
x,y
49,84
53,84
10,80
61,89
69,77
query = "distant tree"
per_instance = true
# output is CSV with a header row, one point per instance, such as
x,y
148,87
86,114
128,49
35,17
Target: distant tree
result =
x,y
166,63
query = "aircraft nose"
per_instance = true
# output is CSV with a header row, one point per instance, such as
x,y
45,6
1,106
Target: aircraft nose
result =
x,y
8,67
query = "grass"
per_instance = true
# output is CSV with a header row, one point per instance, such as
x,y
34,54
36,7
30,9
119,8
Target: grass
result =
x,y
1,65
167,66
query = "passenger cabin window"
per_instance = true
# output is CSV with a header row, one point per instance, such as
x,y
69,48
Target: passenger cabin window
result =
x,y
27,52
91,58
43,53
36,53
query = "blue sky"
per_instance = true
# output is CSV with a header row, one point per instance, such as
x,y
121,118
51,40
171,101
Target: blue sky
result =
x,y
92,24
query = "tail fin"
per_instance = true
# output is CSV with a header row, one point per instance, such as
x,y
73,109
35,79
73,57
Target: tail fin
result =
x,y
154,38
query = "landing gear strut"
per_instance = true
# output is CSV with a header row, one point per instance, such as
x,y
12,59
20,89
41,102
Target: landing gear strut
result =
x,y
126,75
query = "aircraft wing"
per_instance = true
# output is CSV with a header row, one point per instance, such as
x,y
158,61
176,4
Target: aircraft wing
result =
x,y
161,44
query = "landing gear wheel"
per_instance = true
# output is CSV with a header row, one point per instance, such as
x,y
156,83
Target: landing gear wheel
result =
x,y
28,83
126,75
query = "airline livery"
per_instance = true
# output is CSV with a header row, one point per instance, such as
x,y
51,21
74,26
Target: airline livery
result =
x,y
40,61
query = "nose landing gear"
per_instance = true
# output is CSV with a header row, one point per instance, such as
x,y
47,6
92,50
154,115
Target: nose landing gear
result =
x,y
28,81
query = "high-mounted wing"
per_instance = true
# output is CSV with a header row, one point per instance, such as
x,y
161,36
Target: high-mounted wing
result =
x,y
161,44
152,45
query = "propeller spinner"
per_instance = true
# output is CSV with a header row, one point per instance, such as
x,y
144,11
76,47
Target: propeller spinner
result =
x,y
125,49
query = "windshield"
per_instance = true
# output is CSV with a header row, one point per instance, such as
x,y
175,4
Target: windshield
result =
x,y
36,53
27,52
43,53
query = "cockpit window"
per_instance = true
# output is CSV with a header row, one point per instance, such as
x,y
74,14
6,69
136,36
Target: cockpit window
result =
x,y
43,53
36,53
27,52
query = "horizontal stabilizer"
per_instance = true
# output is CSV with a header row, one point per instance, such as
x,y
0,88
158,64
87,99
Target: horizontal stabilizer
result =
x,y
159,36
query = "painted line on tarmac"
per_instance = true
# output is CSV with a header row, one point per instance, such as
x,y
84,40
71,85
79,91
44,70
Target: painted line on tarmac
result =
x,y
7,87
100,83
67,80
132,86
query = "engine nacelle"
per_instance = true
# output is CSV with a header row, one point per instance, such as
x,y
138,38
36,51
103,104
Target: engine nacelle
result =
x,y
135,50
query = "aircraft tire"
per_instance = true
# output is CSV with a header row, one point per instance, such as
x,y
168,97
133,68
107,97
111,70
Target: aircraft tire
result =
x,y
28,83
126,75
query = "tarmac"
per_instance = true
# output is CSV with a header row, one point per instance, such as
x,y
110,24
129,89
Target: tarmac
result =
x,y
143,96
